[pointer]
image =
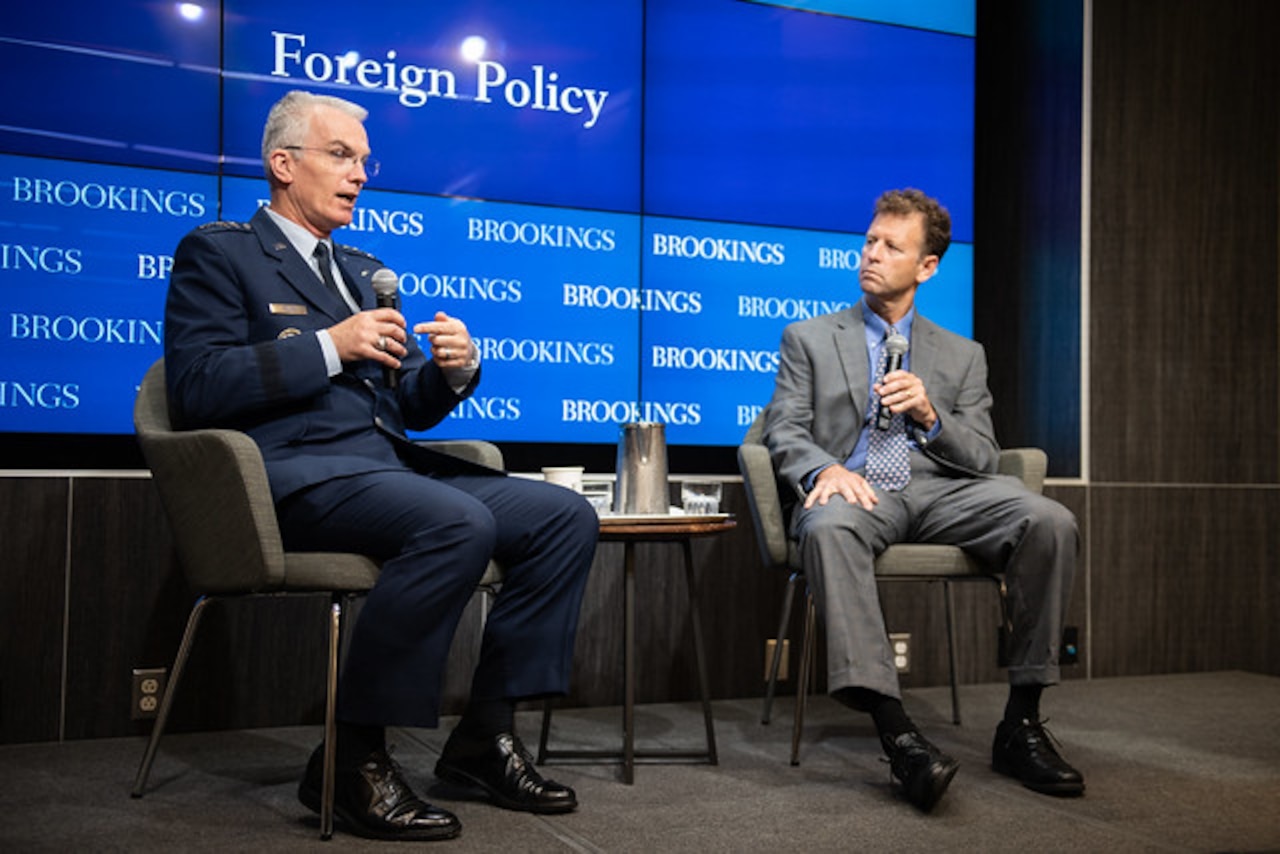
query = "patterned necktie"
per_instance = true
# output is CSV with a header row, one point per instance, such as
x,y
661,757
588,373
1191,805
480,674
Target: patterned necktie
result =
x,y
888,460
326,272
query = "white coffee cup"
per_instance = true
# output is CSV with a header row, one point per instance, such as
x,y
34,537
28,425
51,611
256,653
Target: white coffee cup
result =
x,y
570,477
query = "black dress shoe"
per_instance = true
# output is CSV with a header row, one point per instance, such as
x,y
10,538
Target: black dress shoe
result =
x,y
1024,750
923,769
503,768
374,800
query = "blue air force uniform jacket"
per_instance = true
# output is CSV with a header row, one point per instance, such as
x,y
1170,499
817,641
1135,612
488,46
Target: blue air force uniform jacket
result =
x,y
241,352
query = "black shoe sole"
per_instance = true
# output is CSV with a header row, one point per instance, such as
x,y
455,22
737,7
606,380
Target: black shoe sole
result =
x,y
458,777
1058,790
310,798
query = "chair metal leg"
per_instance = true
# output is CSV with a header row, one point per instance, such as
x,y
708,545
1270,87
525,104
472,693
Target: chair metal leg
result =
x,y
948,596
546,732
330,718
166,702
490,593
780,638
804,677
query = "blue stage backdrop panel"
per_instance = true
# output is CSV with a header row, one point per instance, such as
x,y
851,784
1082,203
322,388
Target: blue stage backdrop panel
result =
x,y
129,81
779,117
948,16
86,250
625,201
537,101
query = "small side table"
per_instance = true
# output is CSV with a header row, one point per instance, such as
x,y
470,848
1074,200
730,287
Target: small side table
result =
x,y
630,530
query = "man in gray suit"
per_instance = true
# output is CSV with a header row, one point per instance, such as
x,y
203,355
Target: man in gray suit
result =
x,y
910,455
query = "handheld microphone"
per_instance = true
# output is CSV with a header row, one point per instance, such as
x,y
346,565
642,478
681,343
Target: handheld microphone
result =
x,y
386,285
896,347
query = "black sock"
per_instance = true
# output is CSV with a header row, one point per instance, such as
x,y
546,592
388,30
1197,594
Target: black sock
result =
x,y
357,741
485,718
1024,703
890,717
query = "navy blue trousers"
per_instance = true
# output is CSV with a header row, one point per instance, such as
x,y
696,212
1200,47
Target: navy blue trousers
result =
x,y
436,535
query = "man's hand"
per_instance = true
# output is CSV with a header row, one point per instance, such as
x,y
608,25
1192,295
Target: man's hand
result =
x,y
838,480
903,392
451,345
378,335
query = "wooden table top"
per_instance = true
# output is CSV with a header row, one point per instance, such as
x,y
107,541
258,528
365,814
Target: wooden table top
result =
x,y
664,527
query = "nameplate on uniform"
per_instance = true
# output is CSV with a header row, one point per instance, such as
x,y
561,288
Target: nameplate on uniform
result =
x,y
287,308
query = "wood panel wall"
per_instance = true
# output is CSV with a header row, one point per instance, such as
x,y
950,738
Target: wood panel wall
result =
x,y
33,560
1183,360
1185,336
1185,301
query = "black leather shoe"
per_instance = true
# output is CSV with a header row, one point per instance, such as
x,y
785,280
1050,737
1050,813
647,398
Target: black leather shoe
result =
x,y
923,769
503,768
375,801
1025,751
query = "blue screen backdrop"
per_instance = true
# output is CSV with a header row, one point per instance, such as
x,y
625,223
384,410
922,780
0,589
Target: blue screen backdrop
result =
x,y
625,201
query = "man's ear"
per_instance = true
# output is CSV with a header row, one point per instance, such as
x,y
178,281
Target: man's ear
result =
x,y
282,165
928,266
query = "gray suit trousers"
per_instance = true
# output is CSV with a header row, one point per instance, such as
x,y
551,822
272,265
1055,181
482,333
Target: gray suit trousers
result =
x,y
1032,539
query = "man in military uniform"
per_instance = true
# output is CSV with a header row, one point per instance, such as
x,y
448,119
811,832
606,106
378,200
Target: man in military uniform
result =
x,y
273,329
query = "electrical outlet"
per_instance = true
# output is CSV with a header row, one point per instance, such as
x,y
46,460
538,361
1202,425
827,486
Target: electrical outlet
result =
x,y
148,688
901,645
783,671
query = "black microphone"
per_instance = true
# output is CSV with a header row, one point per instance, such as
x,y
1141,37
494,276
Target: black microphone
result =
x,y
896,347
386,285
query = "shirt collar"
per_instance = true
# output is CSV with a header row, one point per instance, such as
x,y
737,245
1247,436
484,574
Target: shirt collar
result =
x,y
302,240
876,327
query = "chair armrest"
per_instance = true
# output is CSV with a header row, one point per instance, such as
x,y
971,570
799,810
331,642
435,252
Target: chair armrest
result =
x,y
766,506
1026,464
472,450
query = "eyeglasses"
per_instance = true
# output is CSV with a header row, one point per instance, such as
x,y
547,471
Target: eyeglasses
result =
x,y
342,158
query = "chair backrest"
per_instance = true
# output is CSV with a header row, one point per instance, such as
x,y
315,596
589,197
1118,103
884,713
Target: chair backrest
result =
x,y
765,500
214,490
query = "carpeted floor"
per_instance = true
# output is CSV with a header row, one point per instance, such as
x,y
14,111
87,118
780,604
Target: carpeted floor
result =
x,y
1173,763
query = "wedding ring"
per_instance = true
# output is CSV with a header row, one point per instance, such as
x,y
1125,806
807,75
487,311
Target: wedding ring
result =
x,y
382,343
444,354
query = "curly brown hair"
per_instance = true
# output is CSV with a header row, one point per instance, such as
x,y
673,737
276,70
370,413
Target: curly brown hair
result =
x,y
937,221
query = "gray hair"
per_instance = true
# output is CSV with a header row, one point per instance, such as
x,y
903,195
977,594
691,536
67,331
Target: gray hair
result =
x,y
290,118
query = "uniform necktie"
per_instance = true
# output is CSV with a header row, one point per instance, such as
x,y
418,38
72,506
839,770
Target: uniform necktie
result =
x,y
326,271
888,457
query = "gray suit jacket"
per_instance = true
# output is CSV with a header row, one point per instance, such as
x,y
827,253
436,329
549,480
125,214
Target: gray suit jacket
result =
x,y
821,394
